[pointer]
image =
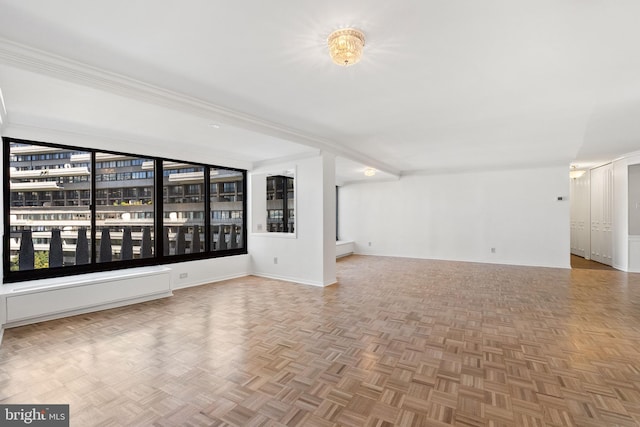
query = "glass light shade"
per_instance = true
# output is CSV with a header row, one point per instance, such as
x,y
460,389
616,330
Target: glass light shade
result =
x,y
369,172
345,46
574,174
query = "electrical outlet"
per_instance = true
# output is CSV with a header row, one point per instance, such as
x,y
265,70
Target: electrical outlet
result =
x,y
369,243
275,259
184,275
493,250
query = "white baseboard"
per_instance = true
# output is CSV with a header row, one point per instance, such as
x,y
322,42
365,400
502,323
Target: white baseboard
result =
x,y
205,282
289,279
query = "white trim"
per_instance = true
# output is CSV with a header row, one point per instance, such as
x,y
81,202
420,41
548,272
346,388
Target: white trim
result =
x,y
97,139
274,234
291,279
285,159
210,281
38,61
563,266
80,280
3,114
619,267
366,180
484,168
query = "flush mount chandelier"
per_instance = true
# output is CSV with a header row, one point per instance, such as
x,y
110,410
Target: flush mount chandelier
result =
x,y
575,173
345,46
369,172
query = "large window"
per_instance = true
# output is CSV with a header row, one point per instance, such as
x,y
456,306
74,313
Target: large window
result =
x,y
124,214
71,210
49,208
183,209
226,209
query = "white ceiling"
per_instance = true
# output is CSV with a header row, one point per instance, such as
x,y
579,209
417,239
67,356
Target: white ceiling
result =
x,y
443,85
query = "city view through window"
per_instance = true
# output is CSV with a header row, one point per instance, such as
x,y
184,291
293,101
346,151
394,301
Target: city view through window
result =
x,y
280,204
56,220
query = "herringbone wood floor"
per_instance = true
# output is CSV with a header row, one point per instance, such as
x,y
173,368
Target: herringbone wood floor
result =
x,y
397,342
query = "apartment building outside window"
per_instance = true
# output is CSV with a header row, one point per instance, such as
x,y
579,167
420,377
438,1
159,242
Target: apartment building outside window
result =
x,y
70,210
280,202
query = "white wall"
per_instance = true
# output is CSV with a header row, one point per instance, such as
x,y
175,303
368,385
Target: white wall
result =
x,y
329,219
308,256
208,270
579,197
462,216
633,203
634,200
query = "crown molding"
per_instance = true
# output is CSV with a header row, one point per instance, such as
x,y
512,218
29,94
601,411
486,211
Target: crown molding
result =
x,y
3,112
285,159
97,139
365,181
522,166
38,61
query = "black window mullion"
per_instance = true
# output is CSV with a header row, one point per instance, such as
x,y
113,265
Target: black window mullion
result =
x,y
6,192
207,209
337,218
92,208
285,203
159,209
244,211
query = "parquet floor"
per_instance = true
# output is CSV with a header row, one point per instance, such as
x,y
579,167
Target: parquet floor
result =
x,y
397,342
579,262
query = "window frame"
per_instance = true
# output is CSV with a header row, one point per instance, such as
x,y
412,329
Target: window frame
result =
x,y
283,219
337,217
158,258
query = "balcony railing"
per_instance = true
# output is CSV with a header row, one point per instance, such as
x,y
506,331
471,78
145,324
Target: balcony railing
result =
x,y
64,247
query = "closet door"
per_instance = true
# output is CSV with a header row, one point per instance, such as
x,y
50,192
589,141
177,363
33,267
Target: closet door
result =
x,y
580,191
602,214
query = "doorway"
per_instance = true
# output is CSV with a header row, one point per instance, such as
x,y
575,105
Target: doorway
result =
x,y
591,197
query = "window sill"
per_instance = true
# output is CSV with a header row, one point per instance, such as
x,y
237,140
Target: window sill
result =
x,y
275,234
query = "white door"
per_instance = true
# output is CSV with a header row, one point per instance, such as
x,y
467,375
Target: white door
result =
x,y
602,214
580,212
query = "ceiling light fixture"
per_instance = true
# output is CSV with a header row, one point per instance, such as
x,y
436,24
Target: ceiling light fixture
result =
x,y
369,172
345,46
574,173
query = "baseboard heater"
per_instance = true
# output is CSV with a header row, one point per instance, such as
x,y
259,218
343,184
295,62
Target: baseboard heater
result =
x,y
344,248
55,298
